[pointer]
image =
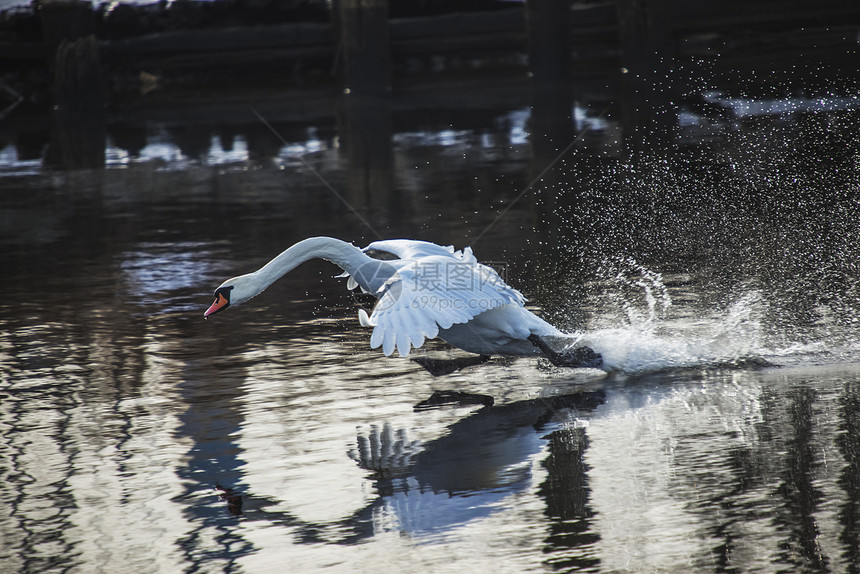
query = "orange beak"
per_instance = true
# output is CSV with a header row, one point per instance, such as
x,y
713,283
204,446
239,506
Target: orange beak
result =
x,y
221,302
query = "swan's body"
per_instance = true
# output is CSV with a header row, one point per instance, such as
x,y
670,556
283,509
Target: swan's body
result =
x,y
428,291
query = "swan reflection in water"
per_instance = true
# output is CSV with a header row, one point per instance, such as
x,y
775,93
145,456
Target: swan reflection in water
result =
x,y
467,473
430,489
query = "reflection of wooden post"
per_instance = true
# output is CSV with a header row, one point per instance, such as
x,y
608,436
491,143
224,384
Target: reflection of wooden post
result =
x,y
365,133
365,119
77,141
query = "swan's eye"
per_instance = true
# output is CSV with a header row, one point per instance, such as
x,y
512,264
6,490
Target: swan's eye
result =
x,y
222,301
223,293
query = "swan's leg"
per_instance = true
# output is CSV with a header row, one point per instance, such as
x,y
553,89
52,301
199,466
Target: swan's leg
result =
x,y
577,357
440,367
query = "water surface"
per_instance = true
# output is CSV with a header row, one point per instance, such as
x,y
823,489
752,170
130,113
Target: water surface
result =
x,y
717,274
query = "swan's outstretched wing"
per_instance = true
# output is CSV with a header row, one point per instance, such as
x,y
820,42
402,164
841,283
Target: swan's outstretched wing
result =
x,y
371,276
407,250
434,293
412,249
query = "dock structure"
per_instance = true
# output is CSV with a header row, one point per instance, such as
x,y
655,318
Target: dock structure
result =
x,y
366,42
370,59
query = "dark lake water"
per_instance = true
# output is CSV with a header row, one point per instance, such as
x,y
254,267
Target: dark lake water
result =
x,y
716,270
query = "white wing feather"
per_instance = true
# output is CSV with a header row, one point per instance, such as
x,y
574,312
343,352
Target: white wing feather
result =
x,y
364,319
411,249
432,293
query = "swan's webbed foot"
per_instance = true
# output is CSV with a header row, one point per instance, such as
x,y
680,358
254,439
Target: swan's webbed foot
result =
x,y
443,398
578,357
440,367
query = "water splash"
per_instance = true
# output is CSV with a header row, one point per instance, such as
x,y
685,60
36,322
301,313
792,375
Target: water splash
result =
x,y
632,282
637,328
630,296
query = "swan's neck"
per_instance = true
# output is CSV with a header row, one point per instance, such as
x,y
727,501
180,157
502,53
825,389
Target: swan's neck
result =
x,y
345,255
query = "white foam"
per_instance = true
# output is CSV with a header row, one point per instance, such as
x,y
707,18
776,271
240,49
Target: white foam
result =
x,y
637,332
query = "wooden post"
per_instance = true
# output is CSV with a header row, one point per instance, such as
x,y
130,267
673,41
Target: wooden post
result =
x,y
365,122
78,79
79,123
648,50
64,20
365,46
551,123
78,128
549,39
549,63
646,35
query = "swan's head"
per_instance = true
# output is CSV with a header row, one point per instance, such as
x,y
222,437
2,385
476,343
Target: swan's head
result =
x,y
232,292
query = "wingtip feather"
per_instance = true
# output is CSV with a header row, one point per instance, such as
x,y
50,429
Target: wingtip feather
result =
x,y
364,319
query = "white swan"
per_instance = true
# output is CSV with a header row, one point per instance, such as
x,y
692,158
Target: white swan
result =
x,y
428,291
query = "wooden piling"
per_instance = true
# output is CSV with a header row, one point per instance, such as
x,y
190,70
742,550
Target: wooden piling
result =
x,y
78,79
648,51
79,122
68,28
78,126
551,122
365,119
64,21
548,24
549,65
364,46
